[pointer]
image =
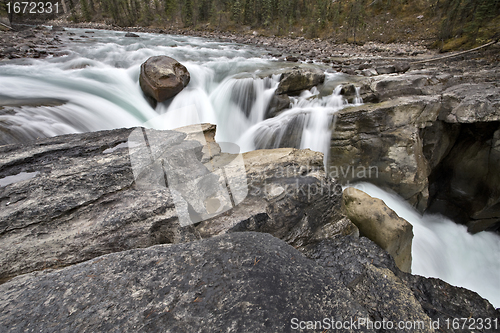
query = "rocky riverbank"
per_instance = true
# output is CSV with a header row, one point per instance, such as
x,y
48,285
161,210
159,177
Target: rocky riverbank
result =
x,y
353,59
91,244
30,42
293,49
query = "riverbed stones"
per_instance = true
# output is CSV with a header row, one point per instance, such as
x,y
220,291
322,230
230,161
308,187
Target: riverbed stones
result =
x,y
380,224
163,77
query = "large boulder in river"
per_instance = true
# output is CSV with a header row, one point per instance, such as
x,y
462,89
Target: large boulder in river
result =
x,y
163,77
299,79
380,224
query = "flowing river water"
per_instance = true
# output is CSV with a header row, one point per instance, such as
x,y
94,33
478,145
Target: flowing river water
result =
x,y
95,86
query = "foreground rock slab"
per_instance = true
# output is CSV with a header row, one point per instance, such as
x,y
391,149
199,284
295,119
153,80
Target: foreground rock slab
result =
x,y
72,198
243,282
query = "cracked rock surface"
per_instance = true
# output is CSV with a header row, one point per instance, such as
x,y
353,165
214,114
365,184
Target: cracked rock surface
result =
x,y
89,246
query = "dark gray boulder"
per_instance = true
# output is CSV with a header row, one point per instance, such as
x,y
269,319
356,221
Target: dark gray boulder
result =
x,y
386,292
241,282
244,282
386,69
131,34
163,77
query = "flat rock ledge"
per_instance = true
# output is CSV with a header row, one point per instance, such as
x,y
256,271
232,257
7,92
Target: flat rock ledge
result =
x,y
89,246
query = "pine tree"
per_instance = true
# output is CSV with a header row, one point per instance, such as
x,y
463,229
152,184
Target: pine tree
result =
x,y
188,13
85,10
237,11
170,6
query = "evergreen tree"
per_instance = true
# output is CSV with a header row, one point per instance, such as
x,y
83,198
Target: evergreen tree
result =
x,y
188,13
85,10
237,11
170,7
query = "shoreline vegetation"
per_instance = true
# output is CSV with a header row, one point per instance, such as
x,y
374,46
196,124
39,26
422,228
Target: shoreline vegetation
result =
x,y
443,25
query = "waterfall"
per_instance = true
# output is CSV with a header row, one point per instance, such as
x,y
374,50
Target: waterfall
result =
x,y
96,87
445,250
307,124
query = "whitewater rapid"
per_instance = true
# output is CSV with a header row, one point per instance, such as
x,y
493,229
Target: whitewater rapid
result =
x,y
443,249
95,86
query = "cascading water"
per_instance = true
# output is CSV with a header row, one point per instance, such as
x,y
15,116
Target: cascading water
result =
x,y
307,124
443,249
96,87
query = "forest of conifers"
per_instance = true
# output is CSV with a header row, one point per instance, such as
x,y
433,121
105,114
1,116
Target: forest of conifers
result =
x,y
466,22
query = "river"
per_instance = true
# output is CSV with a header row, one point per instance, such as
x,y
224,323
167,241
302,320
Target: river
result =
x,y
95,87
